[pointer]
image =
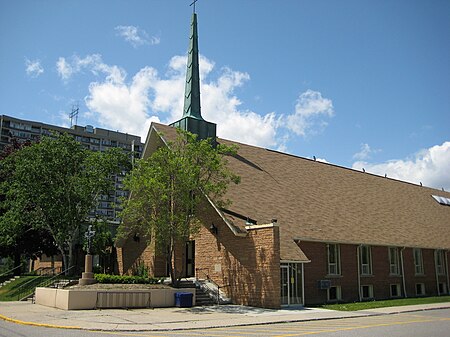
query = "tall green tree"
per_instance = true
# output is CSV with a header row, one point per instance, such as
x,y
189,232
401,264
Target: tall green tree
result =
x,y
169,188
15,237
55,184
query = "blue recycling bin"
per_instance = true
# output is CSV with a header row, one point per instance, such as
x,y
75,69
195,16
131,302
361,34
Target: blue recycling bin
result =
x,y
183,300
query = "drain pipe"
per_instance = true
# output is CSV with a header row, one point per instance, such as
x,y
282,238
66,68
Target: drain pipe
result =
x,y
446,271
358,248
436,271
303,284
403,272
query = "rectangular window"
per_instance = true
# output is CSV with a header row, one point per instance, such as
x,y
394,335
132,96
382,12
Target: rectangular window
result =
x,y
418,261
394,261
365,260
334,260
367,292
420,289
395,290
442,288
439,256
334,294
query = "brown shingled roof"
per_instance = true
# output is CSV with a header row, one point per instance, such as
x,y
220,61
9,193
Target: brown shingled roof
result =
x,y
315,201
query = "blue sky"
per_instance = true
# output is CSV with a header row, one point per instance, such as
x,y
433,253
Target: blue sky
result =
x,y
355,83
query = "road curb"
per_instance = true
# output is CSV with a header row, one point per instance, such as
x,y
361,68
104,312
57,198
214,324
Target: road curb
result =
x,y
43,325
297,320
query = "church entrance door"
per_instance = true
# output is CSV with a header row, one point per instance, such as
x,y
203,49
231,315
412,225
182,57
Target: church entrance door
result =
x,y
291,283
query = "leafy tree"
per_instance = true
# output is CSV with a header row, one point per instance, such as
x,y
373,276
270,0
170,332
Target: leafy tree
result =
x,y
15,237
56,183
167,190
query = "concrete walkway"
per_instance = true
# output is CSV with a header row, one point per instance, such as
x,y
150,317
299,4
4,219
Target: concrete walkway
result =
x,y
179,318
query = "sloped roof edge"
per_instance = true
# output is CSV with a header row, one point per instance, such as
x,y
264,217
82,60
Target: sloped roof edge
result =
x,y
349,242
236,231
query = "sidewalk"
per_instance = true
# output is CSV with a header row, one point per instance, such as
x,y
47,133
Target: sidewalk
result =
x,y
179,318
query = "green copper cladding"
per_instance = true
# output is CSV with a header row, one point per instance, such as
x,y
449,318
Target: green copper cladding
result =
x,y
192,119
192,89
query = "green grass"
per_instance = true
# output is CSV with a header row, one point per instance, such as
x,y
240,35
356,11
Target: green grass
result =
x,y
386,303
13,290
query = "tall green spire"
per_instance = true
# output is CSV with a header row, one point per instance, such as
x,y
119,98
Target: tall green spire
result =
x,y
192,89
192,119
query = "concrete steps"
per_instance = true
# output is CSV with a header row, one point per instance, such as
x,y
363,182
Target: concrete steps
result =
x,y
9,281
202,298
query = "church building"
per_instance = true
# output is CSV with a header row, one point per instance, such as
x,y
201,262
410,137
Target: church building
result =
x,y
303,232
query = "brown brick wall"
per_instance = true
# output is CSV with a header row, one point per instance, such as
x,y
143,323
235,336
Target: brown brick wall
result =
x,y
45,264
380,280
248,267
429,276
133,253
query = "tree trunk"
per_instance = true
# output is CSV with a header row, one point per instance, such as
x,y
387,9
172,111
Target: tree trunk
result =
x,y
70,258
172,271
65,259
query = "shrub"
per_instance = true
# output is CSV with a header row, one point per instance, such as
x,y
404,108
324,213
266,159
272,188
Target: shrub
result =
x,y
125,279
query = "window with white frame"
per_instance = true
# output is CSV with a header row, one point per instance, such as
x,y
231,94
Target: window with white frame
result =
x,y
439,256
365,258
394,261
396,290
367,292
442,288
334,294
418,261
334,260
420,289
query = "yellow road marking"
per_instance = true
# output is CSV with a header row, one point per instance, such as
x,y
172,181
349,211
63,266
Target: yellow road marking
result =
x,y
361,327
44,325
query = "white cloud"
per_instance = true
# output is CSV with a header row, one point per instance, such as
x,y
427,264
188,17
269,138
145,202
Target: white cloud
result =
x,y
122,106
429,166
136,36
131,105
365,152
310,114
220,105
93,63
64,69
33,68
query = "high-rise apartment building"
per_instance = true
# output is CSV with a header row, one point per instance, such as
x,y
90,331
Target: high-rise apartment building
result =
x,y
95,139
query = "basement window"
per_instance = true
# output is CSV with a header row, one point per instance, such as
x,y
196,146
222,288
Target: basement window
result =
x,y
442,288
367,292
334,294
395,290
420,289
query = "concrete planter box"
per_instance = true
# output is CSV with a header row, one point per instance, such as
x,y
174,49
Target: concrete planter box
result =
x,y
73,299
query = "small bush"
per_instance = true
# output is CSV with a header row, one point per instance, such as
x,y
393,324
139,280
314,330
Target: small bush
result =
x,y
125,279
140,270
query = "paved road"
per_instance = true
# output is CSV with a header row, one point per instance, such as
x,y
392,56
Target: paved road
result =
x,y
433,323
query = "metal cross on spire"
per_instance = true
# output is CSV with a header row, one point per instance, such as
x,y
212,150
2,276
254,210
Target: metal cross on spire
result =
x,y
193,4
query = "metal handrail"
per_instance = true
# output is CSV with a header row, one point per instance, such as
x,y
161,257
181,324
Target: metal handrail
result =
x,y
41,271
9,271
198,270
44,283
218,291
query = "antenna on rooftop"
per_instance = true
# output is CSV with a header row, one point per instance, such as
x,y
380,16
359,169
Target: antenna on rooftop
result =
x,y
74,113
